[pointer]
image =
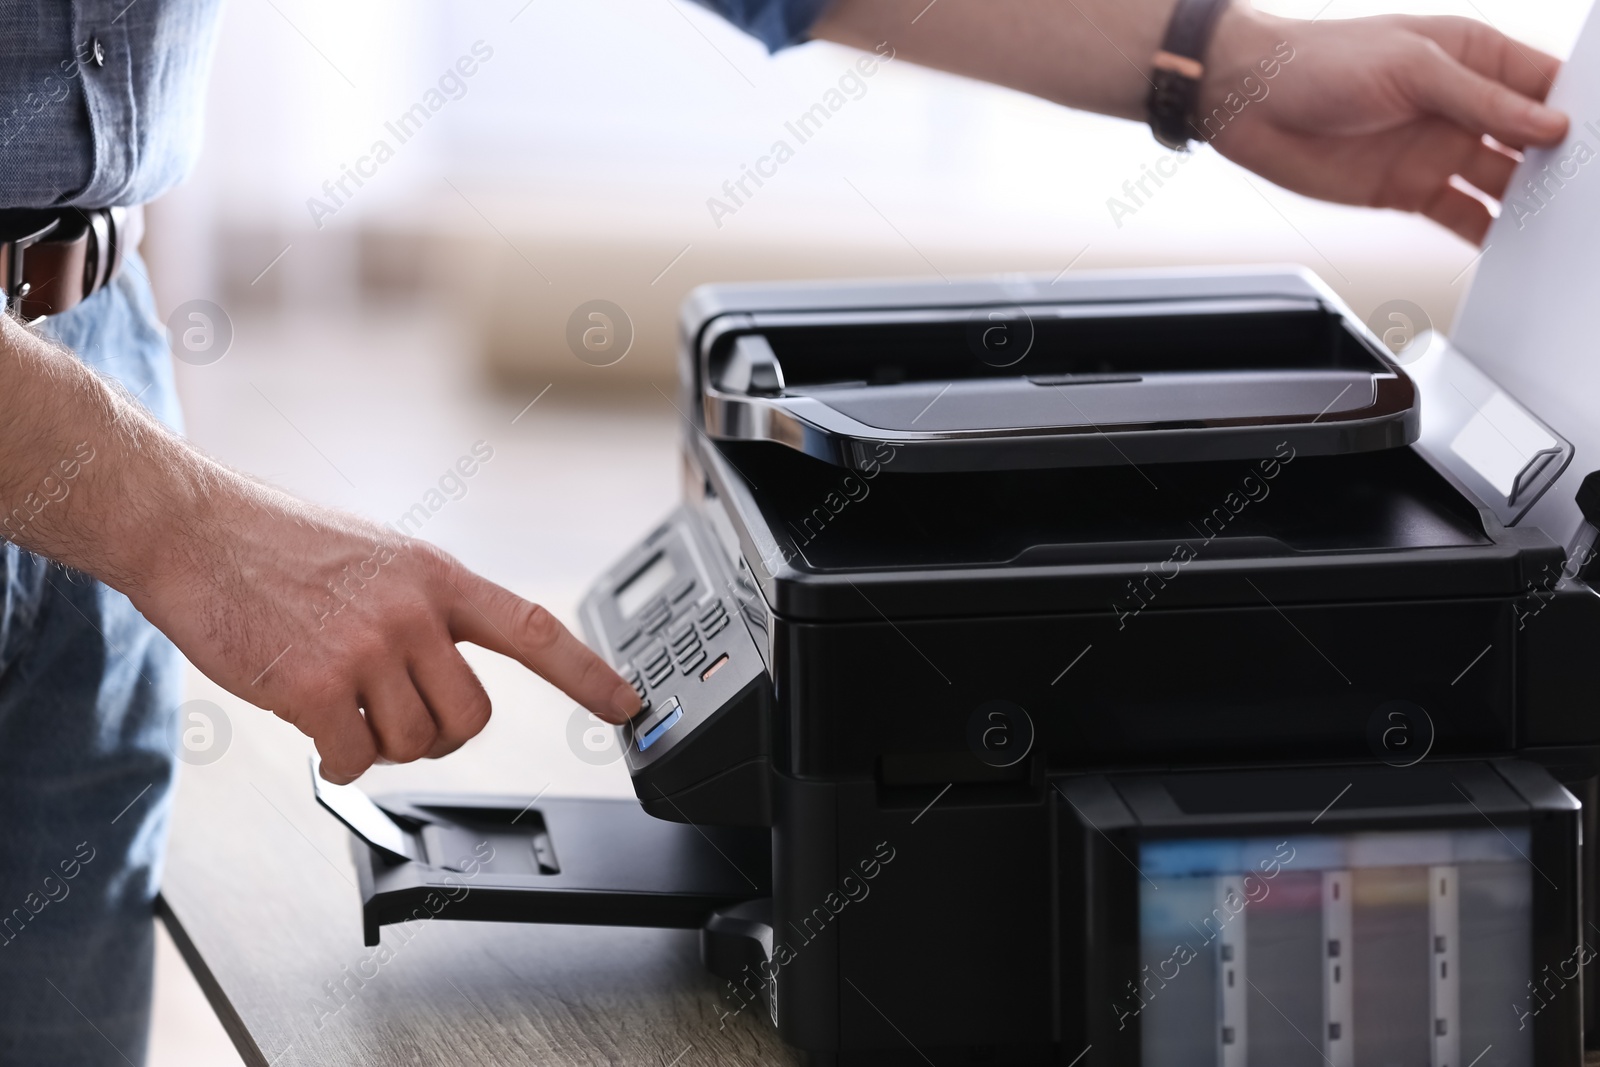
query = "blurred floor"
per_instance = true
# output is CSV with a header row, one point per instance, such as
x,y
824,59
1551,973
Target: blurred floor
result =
x,y
185,1031
368,413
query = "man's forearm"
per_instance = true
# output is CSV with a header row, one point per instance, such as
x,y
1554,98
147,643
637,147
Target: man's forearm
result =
x,y
88,477
1090,54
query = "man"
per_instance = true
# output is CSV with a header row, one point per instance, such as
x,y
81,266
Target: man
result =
x,y
122,541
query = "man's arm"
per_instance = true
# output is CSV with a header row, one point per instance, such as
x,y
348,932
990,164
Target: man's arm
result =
x,y
1380,112
340,626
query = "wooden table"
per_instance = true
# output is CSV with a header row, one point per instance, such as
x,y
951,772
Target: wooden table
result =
x,y
259,894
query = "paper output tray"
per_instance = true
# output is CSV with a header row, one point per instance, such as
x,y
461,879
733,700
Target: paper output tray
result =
x,y
1097,383
588,862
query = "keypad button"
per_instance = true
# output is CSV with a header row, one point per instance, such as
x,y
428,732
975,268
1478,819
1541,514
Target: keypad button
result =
x,y
713,629
687,664
681,590
715,611
628,638
644,722
671,714
679,633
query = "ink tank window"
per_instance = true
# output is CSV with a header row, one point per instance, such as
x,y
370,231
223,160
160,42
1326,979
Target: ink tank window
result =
x,y
1335,949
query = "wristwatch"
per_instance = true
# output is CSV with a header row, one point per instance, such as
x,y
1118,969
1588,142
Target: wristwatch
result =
x,y
1176,70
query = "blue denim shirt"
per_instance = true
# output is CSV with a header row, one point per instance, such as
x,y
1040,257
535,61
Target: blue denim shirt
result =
x,y
775,23
101,100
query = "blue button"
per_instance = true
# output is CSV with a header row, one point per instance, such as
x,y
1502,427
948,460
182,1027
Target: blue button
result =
x,y
655,732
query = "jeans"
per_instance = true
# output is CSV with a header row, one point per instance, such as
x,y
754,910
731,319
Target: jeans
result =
x,y
89,693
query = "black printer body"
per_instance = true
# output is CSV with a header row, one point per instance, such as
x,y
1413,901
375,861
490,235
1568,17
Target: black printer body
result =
x,y
1116,671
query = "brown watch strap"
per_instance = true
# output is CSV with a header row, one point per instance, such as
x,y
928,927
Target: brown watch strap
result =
x,y
1176,70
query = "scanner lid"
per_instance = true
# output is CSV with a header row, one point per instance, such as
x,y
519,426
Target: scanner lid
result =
x,y
1097,370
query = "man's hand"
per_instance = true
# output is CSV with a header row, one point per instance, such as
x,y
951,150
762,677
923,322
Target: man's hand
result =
x,y
348,630
342,627
1380,112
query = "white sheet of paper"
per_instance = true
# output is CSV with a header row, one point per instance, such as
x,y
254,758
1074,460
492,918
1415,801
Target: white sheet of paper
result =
x,y
1531,320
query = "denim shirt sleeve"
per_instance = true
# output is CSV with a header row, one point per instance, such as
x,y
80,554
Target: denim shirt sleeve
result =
x,y
775,23
100,100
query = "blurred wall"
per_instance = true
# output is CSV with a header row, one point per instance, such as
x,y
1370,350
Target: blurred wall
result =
x,y
509,161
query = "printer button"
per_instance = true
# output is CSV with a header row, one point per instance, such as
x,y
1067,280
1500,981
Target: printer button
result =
x,y
628,638
638,687
688,663
680,633
681,590
714,627
655,616
716,611
647,720
659,678
668,717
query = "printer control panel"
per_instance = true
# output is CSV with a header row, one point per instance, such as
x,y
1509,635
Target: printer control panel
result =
x,y
667,620
675,652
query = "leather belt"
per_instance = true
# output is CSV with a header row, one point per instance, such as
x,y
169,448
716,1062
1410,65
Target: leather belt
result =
x,y
52,260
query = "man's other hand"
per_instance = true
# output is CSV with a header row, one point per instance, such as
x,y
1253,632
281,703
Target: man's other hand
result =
x,y
1382,111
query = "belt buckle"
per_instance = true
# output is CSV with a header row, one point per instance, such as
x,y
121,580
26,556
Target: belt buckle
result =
x,y
18,232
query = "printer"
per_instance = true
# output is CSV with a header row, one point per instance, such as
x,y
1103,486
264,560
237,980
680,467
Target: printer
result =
x,y
1133,668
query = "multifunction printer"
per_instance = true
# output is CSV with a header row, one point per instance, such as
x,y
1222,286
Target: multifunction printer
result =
x,y
1135,668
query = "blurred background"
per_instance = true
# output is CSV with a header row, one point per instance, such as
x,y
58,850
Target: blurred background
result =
x,y
365,337
578,160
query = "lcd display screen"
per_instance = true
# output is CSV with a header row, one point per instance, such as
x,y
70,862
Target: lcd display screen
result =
x,y
1335,950
644,586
